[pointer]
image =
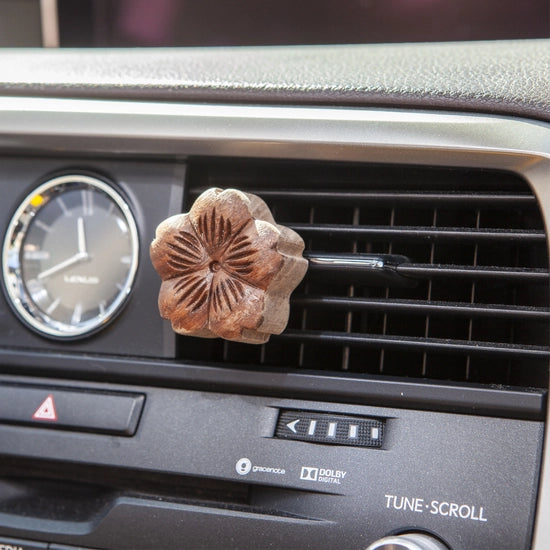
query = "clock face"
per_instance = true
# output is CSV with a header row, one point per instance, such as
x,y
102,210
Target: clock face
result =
x,y
70,256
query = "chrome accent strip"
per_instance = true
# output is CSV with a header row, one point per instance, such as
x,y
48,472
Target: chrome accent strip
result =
x,y
108,127
373,262
50,23
372,269
76,125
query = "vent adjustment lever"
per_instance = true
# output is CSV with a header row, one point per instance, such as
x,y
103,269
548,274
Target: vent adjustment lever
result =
x,y
368,269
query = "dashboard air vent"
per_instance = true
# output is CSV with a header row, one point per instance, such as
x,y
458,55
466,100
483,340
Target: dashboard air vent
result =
x,y
468,297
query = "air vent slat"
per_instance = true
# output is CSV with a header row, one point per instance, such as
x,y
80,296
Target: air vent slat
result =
x,y
441,234
380,198
417,344
430,271
421,307
417,272
342,262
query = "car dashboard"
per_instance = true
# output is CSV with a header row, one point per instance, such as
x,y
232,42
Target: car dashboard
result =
x,y
408,394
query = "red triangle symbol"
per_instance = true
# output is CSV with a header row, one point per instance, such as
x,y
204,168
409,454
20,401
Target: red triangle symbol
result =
x,y
46,411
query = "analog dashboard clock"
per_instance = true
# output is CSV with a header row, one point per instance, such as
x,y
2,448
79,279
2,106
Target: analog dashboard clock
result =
x,y
70,256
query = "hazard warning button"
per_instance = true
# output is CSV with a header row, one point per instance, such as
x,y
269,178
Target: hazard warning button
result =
x,y
46,411
63,408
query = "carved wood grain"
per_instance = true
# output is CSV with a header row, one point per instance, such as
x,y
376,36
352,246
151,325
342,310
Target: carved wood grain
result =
x,y
228,269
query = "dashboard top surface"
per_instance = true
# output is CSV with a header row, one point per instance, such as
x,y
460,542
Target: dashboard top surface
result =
x,y
502,77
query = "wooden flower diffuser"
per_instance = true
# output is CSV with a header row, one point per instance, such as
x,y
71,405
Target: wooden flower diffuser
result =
x,y
227,268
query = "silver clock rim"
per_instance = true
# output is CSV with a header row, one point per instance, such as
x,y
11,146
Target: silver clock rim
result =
x,y
13,284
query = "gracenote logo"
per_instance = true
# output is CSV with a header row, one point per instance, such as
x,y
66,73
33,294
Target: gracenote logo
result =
x,y
243,466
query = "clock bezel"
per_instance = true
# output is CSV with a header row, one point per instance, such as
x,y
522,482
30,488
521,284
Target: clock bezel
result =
x,y
14,286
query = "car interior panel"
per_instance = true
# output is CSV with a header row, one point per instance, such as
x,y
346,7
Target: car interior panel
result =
x,y
344,209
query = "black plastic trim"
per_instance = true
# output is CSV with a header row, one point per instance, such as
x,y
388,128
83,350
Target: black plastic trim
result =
x,y
422,307
377,391
393,198
474,272
417,343
418,233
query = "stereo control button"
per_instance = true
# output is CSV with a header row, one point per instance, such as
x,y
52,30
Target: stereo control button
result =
x,y
409,541
332,429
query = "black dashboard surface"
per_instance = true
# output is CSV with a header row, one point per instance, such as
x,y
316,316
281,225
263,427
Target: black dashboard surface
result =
x,y
503,77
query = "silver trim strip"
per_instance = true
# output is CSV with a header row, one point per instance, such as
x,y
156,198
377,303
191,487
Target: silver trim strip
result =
x,y
102,127
74,125
50,23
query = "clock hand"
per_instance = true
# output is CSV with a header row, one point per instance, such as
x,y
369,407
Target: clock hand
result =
x,y
81,236
82,254
77,258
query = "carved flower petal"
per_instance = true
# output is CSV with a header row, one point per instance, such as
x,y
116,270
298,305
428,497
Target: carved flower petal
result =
x,y
253,256
234,306
176,249
219,216
187,299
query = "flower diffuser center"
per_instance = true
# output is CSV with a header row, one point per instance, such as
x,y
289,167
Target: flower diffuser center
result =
x,y
214,266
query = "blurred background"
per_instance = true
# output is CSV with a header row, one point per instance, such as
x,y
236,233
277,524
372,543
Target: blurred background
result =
x,y
135,23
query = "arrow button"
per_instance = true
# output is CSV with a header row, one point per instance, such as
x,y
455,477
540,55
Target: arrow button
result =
x,y
292,425
328,428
